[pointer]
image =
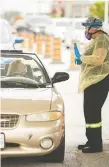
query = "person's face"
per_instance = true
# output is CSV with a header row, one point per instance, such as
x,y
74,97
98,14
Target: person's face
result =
x,y
91,30
22,68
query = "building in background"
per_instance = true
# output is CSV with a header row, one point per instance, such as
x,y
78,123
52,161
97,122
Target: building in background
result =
x,y
54,8
76,8
70,8
57,8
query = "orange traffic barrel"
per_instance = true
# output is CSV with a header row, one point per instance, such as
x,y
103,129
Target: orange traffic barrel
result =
x,y
22,32
57,49
39,43
72,65
48,42
25,43
30,37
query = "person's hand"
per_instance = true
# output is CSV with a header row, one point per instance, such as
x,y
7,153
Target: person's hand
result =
x,y
78,61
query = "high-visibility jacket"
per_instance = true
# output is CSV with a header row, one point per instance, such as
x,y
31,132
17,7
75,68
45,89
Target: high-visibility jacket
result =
x,y
95,62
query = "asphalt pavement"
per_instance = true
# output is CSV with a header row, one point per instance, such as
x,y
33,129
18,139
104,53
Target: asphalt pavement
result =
x,y
75,125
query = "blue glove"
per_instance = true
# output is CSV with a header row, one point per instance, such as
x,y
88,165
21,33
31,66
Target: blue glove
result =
x,y
78,61
76,51
77,54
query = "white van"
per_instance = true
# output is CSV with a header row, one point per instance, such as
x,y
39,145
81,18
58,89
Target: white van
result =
x,y
6,37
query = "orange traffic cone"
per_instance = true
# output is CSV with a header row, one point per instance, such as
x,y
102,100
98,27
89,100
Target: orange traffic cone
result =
x,y
30,41
25,43
57,46
48,46
39,44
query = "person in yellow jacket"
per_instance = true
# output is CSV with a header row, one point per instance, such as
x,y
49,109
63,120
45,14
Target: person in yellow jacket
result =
x,y
94,82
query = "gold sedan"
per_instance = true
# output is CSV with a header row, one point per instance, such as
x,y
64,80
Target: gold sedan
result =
x,y
32,111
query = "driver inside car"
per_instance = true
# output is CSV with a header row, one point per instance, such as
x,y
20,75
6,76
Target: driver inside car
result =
x,y
17,68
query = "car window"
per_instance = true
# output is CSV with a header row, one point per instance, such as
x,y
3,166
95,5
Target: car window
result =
x,y
21,67
37,72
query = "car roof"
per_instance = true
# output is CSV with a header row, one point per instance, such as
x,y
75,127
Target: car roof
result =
x,y
11,51
18,54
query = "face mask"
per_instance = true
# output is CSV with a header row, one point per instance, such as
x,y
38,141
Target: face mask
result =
x,y
88,35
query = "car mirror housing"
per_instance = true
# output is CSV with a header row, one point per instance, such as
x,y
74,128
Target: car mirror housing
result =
x,y
60,77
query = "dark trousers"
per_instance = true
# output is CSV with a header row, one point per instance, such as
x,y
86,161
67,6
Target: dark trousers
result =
x,y
94,98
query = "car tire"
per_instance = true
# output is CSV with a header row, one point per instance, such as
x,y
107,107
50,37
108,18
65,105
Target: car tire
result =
x,y
57,156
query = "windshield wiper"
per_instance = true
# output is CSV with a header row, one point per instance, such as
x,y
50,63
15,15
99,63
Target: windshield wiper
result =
x,y
11,83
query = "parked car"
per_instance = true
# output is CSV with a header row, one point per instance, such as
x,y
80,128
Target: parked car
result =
x,y
32,111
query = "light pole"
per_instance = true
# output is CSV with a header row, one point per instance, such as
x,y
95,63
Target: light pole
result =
x,y
106,17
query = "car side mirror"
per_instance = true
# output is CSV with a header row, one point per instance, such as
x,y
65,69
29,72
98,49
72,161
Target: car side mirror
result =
x,y
60,77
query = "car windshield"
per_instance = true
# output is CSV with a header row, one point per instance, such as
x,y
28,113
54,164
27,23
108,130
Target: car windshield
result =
x,y
23,70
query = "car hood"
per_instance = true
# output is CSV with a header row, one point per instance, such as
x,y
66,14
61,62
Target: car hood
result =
x,y
25,101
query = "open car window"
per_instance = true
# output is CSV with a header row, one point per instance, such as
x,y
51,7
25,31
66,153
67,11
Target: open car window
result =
x,y
23,66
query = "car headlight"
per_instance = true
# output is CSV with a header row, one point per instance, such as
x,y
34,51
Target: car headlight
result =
x,y
45,116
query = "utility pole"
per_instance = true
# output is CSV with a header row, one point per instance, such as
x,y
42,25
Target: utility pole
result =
x,y
106,13
106,17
